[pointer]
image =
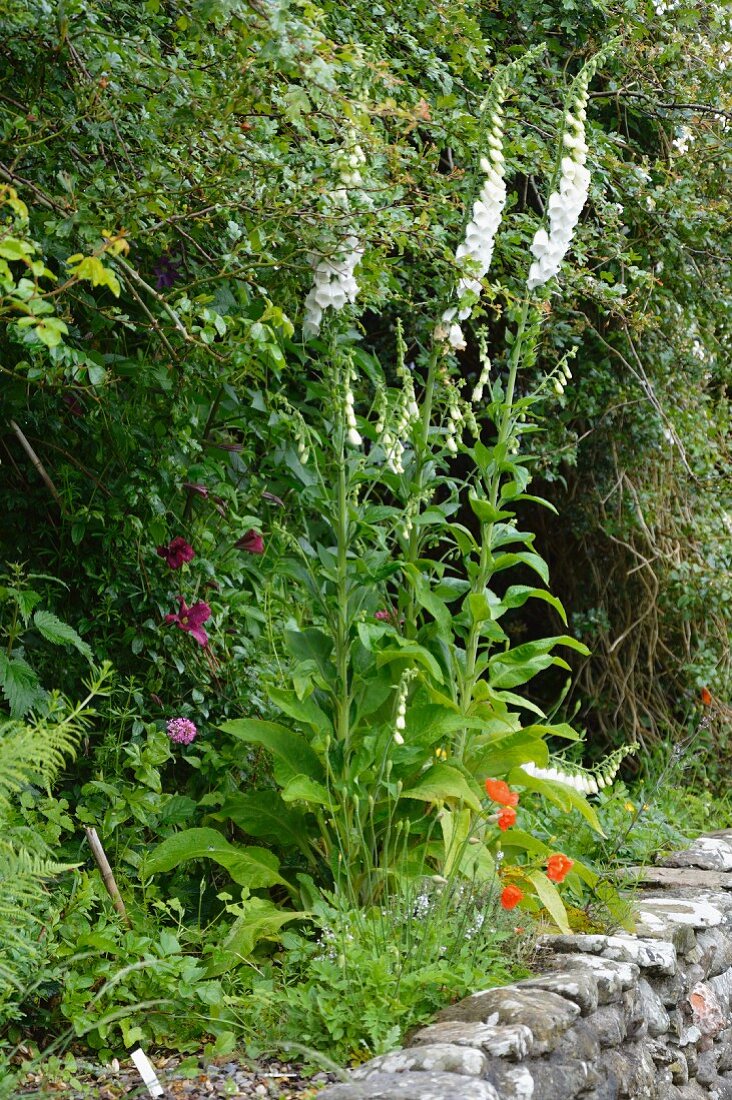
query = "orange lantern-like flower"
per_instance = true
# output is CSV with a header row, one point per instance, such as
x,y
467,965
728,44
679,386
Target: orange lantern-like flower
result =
x,y
511,896
501,793
506,818
558,867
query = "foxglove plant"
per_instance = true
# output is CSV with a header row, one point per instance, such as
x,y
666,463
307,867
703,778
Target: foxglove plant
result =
x,y
334,285
550,245
390,713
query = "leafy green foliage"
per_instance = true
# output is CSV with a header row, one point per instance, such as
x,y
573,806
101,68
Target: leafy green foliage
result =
x,y
164,177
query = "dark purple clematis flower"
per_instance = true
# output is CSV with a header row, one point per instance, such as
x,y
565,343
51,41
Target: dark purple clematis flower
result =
x,y
177,552
252,542
73,404
166,272
196,487
191,619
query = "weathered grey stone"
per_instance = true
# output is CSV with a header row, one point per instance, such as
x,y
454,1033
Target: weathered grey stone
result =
x,y
672,990
655,1014
722,986
412,1086
690,1037
612,977
514,1082
636,1025
653,955
679,1066
580,1042
721,1087
715,946
708,853
442,1057
577,986
634,1070
606,1090
692,1091
560,1079
725,1050
657,913
609,1024
679,878
707,1066
547,1015
511,1041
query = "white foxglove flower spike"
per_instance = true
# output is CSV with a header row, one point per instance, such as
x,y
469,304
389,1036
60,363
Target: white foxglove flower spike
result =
x,y
565,204
334,285
474,254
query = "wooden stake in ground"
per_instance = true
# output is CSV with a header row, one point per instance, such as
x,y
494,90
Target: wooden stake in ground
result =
x,y
106,872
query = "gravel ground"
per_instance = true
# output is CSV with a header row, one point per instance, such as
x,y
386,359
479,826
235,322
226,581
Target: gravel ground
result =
x,y
221,1077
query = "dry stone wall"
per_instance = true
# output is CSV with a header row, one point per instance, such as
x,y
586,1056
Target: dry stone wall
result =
x,y
611,1016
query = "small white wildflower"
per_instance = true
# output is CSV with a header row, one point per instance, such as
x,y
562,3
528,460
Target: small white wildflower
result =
x,y
398,738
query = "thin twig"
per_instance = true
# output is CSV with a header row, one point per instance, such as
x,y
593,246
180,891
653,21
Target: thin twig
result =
x,y
38,464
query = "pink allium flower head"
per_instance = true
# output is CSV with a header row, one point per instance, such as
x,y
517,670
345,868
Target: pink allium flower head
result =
x,y
181,730
176,552
191,619
252,541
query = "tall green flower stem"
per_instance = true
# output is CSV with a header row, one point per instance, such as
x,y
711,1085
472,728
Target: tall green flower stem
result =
x,y
422,461
506,424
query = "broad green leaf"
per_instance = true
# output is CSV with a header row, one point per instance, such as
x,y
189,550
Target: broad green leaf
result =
x,y
263,814
518,594
427,599
301,788
293,754
498,757
521,841
510,673
261,920
522,557
26,600
302,710
411,650
13,248
551,899
251,867
60,633
442,783
537,500
518,665
487,512
49,330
